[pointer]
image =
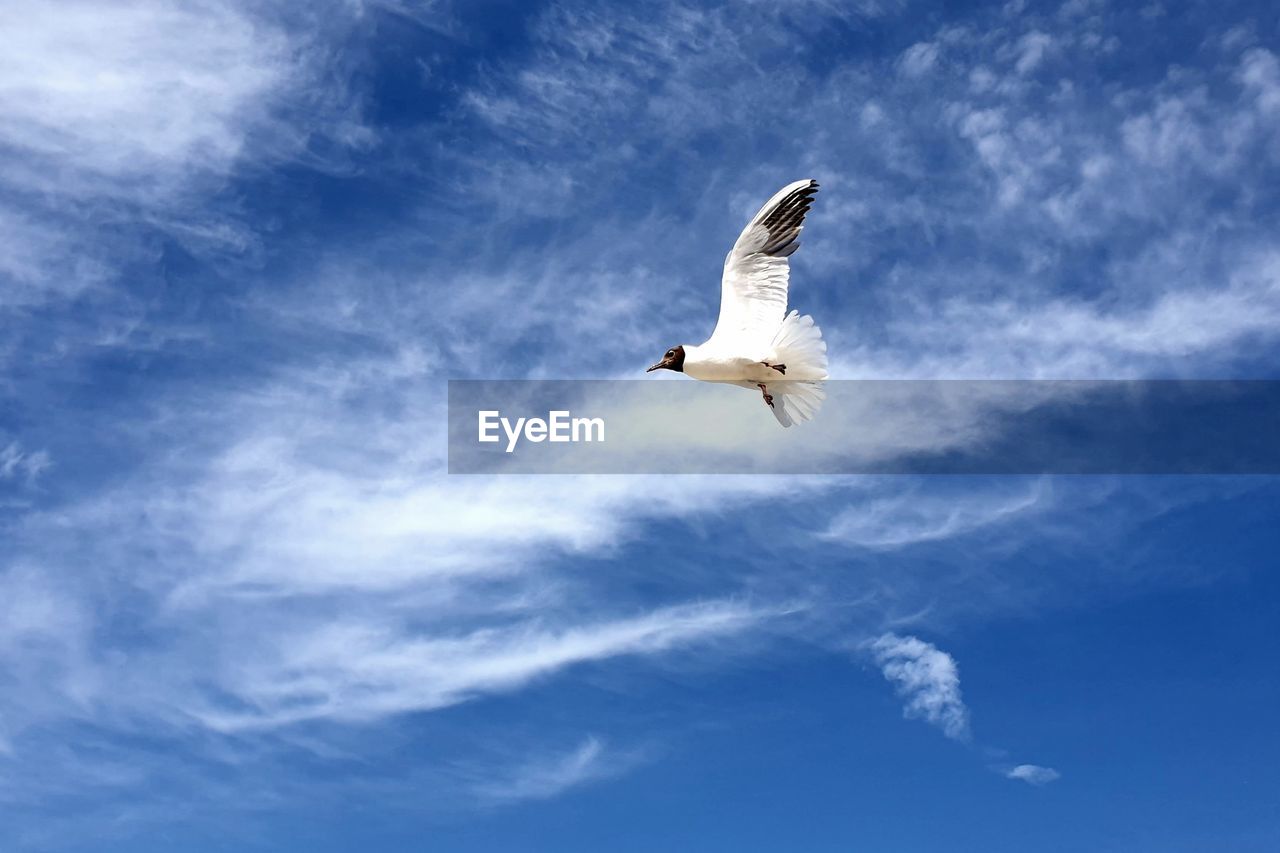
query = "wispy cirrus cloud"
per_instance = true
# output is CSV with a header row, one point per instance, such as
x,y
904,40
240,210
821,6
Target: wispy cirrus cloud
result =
x,y
134,101
18,463
1068,174
912,517
361,671
147,101
551,774
122,126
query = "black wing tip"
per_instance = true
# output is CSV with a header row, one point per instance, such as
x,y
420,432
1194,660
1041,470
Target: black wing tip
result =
x,y
786,220
800,195
806,191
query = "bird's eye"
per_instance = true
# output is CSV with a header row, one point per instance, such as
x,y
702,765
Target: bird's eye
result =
x,y
671,353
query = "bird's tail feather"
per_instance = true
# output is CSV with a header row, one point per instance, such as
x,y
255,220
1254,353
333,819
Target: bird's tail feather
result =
x,y
800,347
795,401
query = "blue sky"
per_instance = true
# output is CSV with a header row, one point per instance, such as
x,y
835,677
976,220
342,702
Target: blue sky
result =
x,y
243,245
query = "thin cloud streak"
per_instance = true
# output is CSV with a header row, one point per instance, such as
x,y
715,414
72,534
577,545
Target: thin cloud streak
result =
x,y
356,672
552,774
913,517
1033,774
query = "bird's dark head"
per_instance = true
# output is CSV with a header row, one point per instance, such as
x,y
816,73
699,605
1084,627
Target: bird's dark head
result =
x,y
673,360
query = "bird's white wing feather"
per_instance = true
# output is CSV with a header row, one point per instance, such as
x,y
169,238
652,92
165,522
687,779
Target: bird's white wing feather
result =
x,y
753,291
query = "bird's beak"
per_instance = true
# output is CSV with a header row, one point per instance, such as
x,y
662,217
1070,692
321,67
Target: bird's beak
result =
x,y
656,366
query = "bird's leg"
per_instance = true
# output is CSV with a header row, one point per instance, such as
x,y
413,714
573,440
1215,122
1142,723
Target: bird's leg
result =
x,y
781,368
768,398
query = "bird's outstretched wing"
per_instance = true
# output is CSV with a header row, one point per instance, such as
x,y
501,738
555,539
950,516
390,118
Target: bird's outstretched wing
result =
x,y
753,292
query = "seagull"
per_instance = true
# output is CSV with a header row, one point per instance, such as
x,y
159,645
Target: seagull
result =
x,y
756,343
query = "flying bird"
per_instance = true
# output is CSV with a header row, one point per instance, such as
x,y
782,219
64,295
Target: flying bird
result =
x,y
756,343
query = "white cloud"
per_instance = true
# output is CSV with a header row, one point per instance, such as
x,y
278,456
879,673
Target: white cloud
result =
x,y
1070,338
361,670
39,261
1260,74
911,516
1033,774
139,91
312,562
1031,51
919,59
17,463
927,679
1077,8
552,774
46,669
122,121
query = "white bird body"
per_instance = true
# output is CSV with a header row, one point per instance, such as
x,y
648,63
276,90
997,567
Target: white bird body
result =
x,y
756,343
707,364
